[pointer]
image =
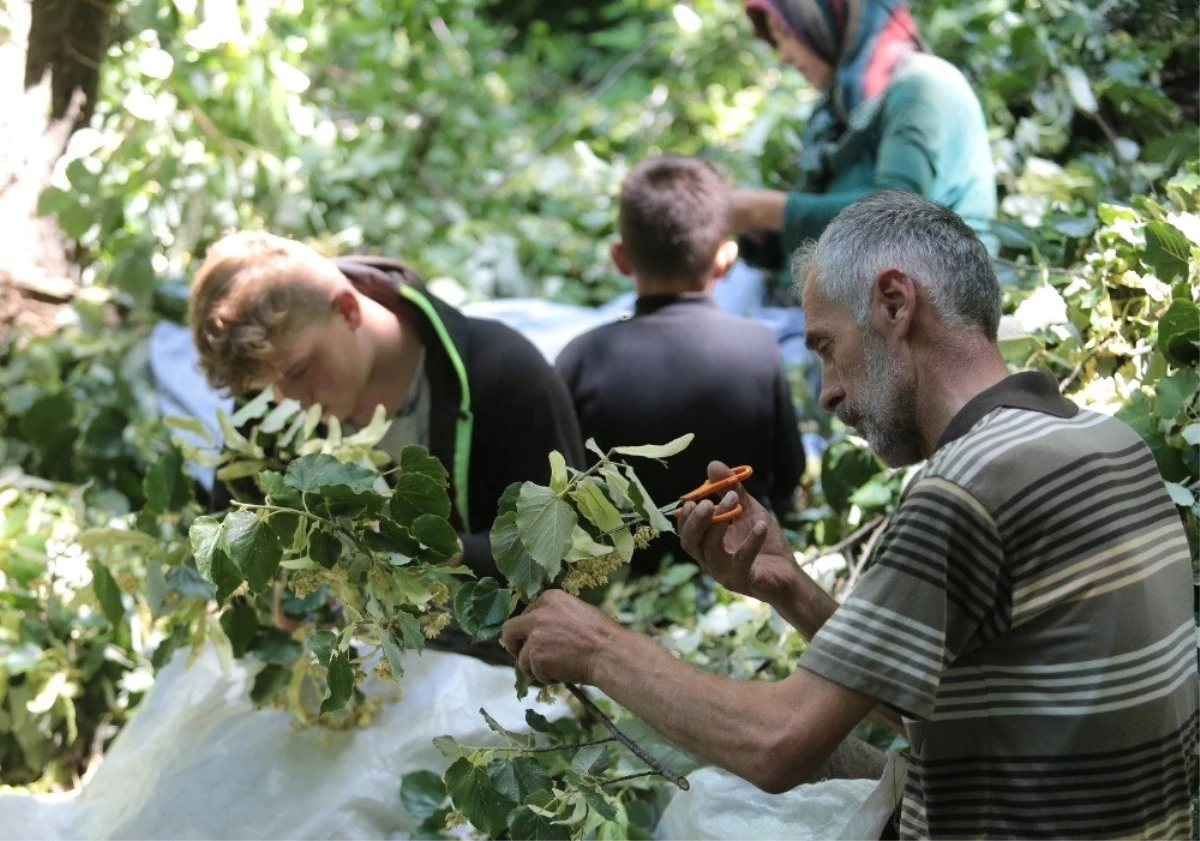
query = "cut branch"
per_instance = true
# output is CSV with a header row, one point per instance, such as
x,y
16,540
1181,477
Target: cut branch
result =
x,y
636,749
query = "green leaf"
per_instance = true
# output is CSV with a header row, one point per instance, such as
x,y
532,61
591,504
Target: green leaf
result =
x,y
422,793
324,548
278,491
525,823
644,505
416,459
340,679
658,450
595,448
558,472
107,592
393,654
269,680
1180,495
508,499
618,486
510,737
513,561
254,409
166,486
872,495
437,535
481,608
205,534
240,624
193,426
597,508
188,582
1179,333
322,644
583,546
545,522
1175,391
844,469
318,474
591,760
254,547
517,778
1168,251
276,646
416,494
476,797
1191,434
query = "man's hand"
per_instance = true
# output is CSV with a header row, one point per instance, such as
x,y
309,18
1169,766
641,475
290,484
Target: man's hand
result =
x,y
756,210
748,555
559,638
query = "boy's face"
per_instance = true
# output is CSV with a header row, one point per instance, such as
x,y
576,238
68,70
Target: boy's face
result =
x,y
324,362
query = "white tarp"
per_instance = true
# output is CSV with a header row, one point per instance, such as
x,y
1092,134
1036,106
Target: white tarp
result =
x,y
198,761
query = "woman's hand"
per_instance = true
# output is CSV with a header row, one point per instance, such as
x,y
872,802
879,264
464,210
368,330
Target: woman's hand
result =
x,y
749,554
752,210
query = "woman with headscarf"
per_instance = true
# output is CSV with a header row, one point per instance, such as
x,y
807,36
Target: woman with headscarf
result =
x,y
893,116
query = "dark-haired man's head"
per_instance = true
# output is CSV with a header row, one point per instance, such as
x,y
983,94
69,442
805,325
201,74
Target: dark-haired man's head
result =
x,y
674,225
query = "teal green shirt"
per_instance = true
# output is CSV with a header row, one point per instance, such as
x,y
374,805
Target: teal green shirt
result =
x,y
926,136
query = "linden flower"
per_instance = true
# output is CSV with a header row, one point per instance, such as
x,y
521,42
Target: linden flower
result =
x,y
590,572
434,623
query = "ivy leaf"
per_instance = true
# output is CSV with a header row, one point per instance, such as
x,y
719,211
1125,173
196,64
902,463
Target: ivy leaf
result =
x,y
558,472
416,459
545,522
166,486
107,592
254,547
436,535
322,644
321,473
340,679
481,608
416,494
603,514
189,583
1168,251
658,450
422,793
475,796
512,559
517,778
1179,333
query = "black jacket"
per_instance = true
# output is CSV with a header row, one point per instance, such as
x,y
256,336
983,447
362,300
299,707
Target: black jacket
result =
x,y
681,365
502,426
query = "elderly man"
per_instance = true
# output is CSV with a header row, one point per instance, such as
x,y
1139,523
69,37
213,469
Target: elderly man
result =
x,y
1028,611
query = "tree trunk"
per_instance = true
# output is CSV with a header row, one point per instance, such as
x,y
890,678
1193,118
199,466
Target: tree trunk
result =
x,y
48,88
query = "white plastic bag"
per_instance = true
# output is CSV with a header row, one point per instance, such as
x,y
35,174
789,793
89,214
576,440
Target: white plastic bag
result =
x,y
722,806
198,761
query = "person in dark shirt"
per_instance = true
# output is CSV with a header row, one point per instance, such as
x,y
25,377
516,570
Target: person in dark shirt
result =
x,y
680,364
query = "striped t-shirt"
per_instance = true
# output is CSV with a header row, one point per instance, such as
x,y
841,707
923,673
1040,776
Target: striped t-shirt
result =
x,y
1029,611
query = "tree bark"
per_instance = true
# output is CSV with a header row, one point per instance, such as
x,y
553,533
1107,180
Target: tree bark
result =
x,y
68,39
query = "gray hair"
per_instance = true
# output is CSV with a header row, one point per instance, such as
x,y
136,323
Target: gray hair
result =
x,y
928,242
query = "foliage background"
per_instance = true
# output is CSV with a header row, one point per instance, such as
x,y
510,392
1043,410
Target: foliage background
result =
x,y
484,142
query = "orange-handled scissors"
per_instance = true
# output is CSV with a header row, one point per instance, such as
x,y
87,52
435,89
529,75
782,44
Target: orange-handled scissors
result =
x,y
740,474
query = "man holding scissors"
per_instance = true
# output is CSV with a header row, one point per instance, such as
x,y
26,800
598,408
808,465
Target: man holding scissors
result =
x,y
1027,616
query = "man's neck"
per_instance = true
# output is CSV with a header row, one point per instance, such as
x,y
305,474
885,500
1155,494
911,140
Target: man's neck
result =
x,y
948,378
396,358
647,287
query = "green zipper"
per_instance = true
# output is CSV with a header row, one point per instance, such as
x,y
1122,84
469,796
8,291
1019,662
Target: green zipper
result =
x,y
466,420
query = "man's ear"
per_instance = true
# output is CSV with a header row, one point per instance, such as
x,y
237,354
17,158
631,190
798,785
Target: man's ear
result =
x,y
727,255
894,302
617,250
345,303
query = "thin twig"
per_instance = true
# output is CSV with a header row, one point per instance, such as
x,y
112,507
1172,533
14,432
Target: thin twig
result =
x,y
550,749
856,570
636,749
844,543
1032,267
615,780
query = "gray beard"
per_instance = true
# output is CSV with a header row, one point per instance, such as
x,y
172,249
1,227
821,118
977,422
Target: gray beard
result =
x,y
886,414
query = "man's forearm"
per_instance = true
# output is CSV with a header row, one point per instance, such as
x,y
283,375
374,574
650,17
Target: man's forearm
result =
x,y
802,603
733,724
